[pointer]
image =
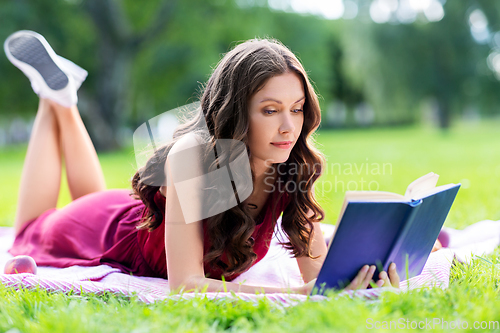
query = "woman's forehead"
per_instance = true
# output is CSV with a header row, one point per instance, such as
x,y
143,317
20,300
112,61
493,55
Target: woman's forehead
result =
x,y
283,88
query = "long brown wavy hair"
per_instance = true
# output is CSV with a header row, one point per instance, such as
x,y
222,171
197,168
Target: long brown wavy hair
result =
x,y
224,107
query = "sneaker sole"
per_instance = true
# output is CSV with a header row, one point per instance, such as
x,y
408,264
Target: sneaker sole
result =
x,y
31,51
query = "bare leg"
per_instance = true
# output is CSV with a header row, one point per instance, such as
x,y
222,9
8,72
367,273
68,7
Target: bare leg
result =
x,y
83,170
41,175
56,128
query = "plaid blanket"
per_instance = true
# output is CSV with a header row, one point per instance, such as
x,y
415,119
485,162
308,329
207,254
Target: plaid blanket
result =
x,y
277,269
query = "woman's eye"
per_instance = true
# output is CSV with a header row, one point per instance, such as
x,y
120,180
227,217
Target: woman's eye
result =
x,y
297,110
269,111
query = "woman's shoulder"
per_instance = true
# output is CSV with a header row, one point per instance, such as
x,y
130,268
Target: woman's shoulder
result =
x,y
187,141
185,158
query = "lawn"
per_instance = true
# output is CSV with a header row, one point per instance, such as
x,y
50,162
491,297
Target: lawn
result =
x,y
383,159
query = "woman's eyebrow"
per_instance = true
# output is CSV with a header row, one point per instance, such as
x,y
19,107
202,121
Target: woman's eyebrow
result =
x,y
279,102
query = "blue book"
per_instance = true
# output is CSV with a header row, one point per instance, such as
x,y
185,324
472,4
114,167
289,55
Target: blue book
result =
x,y
379,228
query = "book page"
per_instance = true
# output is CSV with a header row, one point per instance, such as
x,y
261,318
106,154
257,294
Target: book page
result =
x,y
419,188
421,185
424,194
373,196
369,196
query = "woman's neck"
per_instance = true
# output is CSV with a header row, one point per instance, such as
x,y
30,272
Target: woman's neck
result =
x,y
264,175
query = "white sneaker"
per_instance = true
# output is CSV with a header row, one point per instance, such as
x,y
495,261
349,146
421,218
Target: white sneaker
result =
x,y
51,76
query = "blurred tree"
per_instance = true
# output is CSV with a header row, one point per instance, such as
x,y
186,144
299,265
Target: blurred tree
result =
x,y
343,89
168,73
449,61
117,45
485,88
399,66
145,58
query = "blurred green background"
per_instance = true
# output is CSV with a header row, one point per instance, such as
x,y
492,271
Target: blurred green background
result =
x,y
374,62
413,83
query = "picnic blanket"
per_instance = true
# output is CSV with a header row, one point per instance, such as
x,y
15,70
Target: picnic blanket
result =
x,y
276,269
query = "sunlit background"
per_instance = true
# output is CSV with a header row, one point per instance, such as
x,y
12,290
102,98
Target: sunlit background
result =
x,y
373,62
410,83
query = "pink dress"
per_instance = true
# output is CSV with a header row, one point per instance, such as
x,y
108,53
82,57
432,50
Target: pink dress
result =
x,y
100,228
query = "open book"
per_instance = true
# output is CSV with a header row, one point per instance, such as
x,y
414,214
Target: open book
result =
x,y
378,228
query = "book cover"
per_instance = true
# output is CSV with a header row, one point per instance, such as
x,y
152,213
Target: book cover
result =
x,y
381,232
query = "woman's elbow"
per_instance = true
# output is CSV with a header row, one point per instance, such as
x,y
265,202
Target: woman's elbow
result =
x,y
190,283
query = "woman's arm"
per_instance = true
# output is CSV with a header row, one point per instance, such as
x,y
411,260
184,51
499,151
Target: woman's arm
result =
x,y
184,250
183,236
309,268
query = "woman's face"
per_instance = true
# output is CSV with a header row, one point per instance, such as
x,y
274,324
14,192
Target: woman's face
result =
x,y
276,117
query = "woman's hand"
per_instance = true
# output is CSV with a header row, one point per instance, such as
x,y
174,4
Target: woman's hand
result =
x,y
362,280
308,287
389,280
365,275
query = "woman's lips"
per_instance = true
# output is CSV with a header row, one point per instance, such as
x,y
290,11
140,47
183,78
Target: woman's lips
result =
x,y
282,144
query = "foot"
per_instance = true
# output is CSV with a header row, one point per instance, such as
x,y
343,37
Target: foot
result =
x,y
51,76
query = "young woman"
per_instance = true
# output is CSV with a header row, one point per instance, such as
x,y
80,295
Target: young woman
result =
x,y
260,95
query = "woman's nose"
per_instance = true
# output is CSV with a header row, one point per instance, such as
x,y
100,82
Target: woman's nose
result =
x,y
287,124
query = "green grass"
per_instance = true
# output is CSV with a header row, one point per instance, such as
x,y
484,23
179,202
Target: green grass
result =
x,y
467,154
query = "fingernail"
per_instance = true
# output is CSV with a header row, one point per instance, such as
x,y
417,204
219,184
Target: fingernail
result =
x,y
380,283
393,266
364,269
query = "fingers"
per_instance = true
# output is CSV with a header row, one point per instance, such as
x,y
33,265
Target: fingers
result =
x,y
359,278
389,280
368,277
384,280
363,278
365,274
393,275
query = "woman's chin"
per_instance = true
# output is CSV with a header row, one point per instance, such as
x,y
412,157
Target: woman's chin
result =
x,y
281,160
